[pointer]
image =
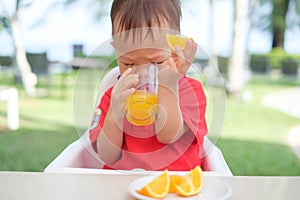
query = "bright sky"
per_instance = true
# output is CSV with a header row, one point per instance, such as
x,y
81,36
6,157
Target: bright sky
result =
x,y
76,24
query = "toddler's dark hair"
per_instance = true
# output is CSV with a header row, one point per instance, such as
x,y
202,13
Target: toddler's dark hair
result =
x,y
132,14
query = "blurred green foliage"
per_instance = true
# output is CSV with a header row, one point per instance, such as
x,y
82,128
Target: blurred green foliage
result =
x,y
276,56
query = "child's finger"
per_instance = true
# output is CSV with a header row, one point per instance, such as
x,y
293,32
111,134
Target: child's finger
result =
x,y
126,93
194,50
190,51
179,52
126,73
124,88
128,81
180,58
171,63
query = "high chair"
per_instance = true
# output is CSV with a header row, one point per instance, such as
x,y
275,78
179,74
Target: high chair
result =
x,y
79,157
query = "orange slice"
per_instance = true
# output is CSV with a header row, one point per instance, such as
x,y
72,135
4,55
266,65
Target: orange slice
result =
x,y
158,187
191,184
174,180
174,40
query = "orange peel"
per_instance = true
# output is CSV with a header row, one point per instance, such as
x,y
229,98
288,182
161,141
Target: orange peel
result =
x,y
174,40
158,187
191,184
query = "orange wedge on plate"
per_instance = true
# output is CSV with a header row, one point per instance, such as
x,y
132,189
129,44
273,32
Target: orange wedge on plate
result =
x,y
174,180
158,187
174,40
191,184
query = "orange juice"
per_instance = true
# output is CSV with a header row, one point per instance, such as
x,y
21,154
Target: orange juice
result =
x,y
141,108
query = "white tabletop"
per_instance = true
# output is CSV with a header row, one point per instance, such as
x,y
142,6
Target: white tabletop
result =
x,y
35,185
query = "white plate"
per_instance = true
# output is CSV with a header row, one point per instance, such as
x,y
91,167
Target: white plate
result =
x,y
212,189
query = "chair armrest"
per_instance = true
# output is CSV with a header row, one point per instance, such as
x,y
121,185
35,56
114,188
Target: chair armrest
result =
x,y
76,155
213,159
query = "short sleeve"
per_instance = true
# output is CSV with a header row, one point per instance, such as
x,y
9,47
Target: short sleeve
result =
x,y
192,101
99,117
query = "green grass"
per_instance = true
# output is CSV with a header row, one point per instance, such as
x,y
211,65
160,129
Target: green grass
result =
x,y
46,128
253,141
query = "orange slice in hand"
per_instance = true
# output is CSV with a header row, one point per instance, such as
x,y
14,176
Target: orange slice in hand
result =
x,y
174,40
158,187
191,184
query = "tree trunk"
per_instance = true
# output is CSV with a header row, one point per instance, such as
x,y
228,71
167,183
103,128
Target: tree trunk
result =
x,y
211,70
237,60
280,8
213,44
278,37
28,78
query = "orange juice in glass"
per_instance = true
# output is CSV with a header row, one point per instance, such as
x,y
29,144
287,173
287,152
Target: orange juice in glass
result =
x,y
141,106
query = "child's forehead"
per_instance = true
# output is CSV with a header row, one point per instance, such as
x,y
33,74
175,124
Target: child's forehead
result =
x,y
154,38
145,53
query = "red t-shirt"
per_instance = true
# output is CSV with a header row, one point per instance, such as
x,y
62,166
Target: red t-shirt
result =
x,y
141,149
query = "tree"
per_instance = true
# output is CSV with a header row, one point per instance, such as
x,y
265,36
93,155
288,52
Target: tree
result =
x,y
213,45
237,61
276,21
280,8
279,20
10,22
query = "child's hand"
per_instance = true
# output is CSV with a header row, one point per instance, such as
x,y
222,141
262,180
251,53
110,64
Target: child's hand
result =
x,y
177,65
123,88
181,60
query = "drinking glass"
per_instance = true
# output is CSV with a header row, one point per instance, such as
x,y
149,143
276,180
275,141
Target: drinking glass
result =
x,y
141,106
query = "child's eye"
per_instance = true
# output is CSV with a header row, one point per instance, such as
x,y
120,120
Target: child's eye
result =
x,y
162,62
